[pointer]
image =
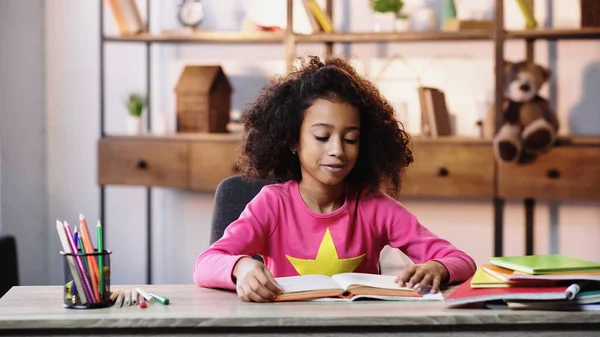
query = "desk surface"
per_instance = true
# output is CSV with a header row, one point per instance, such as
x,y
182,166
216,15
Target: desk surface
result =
x,y
195,309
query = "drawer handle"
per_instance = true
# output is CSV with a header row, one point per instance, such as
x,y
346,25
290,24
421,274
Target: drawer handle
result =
x,y
553,174
443,172
142,164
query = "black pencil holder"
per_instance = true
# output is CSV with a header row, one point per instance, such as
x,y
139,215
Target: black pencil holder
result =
x,y
82,280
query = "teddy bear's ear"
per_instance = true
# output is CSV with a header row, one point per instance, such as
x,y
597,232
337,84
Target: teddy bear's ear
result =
x,y
546,72
507,66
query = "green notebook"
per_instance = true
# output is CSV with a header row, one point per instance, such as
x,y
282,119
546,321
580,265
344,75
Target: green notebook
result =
x,y
546,264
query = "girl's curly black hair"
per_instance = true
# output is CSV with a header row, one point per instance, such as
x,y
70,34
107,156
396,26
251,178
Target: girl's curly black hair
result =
x,y
272,125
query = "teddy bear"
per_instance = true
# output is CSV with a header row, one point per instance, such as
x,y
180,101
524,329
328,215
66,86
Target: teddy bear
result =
x,y
529,125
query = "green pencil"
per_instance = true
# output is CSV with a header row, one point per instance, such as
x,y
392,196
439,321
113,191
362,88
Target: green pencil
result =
x,y
85,261
100,262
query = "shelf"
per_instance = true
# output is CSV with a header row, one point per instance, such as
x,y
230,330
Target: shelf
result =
x,y
367,37
452,140
591,140
190,136
237,137
204,37
555,34
357,37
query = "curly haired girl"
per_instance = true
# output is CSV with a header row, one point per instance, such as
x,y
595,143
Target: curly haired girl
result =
x,y
330,141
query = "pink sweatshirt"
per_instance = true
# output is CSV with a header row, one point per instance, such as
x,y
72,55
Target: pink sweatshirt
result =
x,y
293,240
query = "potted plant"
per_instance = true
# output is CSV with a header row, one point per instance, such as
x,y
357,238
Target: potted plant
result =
x,y
401,22
135,102
387,12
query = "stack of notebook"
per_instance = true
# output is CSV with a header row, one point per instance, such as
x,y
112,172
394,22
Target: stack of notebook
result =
x,y
539,282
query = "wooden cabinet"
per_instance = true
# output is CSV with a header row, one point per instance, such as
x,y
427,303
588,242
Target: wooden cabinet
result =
x,y
460,169
211,162
446,168
567,172
185,161
145,162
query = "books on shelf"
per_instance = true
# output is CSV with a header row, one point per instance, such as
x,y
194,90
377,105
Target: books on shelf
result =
x,y
348,287
549,282
435,118
127,16
321,17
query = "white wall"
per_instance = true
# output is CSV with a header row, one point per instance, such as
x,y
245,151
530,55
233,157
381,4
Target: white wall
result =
x,y
23,134
181,219
72,97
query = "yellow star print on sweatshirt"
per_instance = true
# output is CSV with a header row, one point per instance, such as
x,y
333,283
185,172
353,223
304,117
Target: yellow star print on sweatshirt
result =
x,y
327,261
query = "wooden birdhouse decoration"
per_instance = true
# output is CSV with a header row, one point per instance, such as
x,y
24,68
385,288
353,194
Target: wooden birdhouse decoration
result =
x,y
203,99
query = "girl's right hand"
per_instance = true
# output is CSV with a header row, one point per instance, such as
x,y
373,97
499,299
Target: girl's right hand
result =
x,y
254,282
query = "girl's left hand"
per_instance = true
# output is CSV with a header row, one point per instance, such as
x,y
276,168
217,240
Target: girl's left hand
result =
x,y
424,274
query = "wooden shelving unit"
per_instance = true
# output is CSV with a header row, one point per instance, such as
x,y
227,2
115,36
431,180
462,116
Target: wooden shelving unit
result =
x,y
555,34
201,37
448,167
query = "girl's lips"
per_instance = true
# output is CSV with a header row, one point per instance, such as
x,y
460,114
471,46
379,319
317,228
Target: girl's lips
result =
x,y
334,168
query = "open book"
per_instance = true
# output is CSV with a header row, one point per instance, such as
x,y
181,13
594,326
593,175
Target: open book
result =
x,y
348,287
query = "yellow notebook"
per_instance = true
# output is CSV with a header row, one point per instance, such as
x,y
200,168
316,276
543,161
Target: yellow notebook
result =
x,y
482,279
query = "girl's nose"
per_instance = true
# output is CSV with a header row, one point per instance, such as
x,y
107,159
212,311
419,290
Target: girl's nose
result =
x,y
336,147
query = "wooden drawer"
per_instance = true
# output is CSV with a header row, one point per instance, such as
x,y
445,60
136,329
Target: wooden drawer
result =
x,y
450,170
143,162
211,162
569,172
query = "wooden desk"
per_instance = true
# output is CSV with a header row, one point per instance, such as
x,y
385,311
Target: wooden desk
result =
x,y
36,311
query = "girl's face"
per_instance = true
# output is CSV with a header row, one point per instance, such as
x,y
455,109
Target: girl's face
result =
x,y
329,142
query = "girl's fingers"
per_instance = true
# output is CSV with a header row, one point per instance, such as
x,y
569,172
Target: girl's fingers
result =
x,y
255,297
257,288
406,275
436,285
416,278
424,283
271,283
242,294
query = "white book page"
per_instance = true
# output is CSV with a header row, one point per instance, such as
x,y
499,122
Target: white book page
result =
x,y
291,284
370,280
426,297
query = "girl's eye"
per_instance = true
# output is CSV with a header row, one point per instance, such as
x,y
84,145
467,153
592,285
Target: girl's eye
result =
x,y
321,139
351,141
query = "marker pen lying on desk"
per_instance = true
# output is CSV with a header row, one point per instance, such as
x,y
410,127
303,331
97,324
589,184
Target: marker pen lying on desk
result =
x,y
146,296
134,297
127,298
142,302
114,294
120,298
161,300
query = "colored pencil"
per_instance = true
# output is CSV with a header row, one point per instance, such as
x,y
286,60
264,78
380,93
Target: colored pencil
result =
x,y
89,249
87,287
75,239
60,229
100,259
79,243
